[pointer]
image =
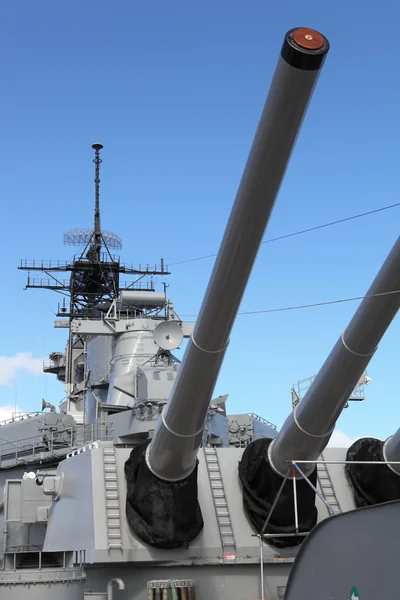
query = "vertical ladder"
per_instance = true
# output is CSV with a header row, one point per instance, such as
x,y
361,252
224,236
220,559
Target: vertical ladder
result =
x,y
114,538
326,486
221,506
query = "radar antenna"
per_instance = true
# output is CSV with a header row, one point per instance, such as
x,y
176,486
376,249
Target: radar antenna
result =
x,y
97,232
94,239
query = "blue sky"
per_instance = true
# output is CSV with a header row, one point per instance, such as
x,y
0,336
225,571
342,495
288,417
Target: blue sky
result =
x,y
174,91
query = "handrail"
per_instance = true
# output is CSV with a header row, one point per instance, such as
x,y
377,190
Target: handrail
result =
x,y
50,441
20,416
262,420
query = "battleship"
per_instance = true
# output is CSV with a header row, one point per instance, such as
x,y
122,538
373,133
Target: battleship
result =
x,y
141,484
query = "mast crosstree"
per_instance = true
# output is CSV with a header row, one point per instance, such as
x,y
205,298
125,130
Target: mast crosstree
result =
x,y
95,273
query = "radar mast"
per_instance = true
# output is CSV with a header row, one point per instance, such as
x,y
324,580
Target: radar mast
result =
x,y
95,277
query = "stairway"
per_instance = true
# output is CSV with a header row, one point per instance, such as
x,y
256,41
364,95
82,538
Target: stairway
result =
x,y
221,506
326,486
114,537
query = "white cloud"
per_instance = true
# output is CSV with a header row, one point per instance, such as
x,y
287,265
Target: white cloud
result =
x,y
6,412
339,439
10,365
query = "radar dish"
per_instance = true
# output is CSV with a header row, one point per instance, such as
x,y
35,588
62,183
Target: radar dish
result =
x,y
168,335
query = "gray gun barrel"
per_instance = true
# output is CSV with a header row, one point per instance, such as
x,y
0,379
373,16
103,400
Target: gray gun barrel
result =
x,y
172,452
391,451
307,430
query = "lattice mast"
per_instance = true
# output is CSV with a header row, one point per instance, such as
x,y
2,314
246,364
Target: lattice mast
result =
x,y
94,273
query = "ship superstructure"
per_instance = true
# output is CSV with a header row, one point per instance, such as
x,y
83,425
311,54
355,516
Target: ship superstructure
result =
x,y
122,334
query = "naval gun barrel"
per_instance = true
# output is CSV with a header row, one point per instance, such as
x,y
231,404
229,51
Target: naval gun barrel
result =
x,y
391,451
172,452
307,430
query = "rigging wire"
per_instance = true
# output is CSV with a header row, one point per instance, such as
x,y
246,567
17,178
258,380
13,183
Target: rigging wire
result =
x,y
300,306
295,233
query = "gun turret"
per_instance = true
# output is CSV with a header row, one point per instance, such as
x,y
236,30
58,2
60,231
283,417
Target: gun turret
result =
x,y
307,430
171,457
378,482
178,434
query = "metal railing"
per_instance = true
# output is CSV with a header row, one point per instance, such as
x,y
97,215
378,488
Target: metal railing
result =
x,y
19,416
104,257
262,420
52,442
138,286
49,363
59,284
43,264
65,264
147,268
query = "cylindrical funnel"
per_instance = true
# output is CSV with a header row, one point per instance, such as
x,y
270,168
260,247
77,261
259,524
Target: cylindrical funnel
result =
x,y
307,430
178,434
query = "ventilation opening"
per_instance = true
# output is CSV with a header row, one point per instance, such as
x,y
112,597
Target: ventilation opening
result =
x,y
30,560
